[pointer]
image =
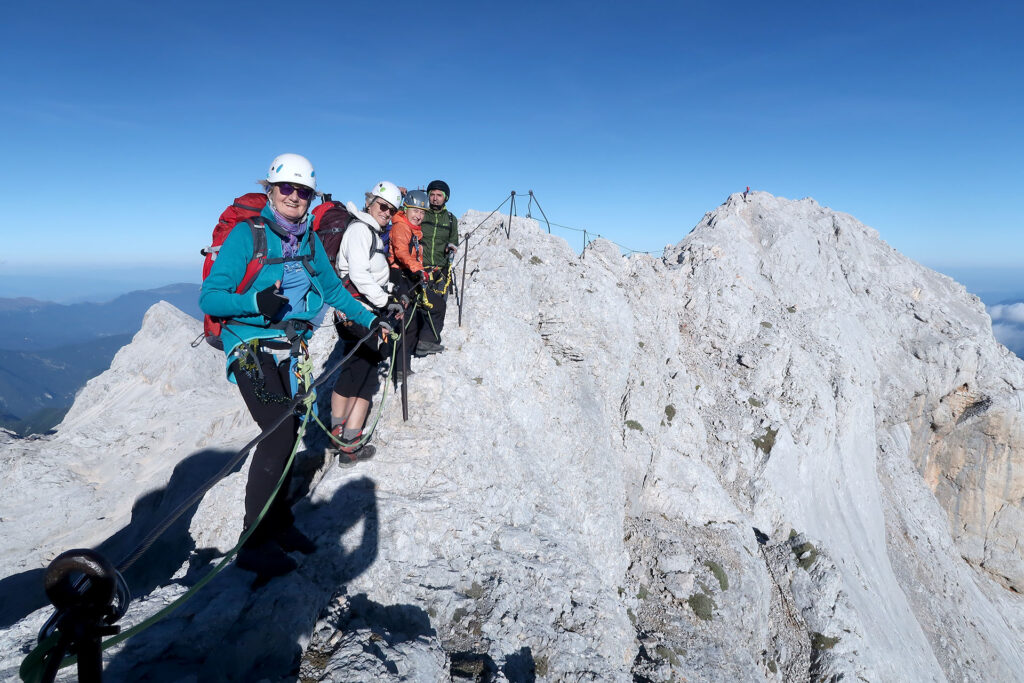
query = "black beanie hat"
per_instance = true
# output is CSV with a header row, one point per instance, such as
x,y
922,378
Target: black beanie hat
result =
x,y
440,185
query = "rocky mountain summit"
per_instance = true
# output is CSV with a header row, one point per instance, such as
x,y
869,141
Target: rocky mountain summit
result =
x,y
782,451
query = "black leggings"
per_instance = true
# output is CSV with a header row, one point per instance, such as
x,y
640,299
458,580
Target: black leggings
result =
x,y
411,324
358,376
272,453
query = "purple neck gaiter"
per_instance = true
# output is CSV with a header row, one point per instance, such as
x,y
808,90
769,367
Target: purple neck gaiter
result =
x,y
294,230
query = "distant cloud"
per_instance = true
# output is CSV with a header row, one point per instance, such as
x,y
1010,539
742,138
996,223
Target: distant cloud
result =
x,y
1007,313
1008,325
1011,337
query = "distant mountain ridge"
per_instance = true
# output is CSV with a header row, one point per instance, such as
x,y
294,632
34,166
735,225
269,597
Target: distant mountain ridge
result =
x,y
21,303
51,350
38,387
32,325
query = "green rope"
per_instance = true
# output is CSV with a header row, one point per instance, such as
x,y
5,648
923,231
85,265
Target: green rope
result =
x,y
34,664
31,670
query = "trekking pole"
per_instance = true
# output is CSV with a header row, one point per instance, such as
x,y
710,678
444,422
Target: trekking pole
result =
x,y
405,382
455,286
461,299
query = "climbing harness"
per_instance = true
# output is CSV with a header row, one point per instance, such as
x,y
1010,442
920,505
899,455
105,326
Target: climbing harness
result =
x,y
446,278
420,297
250,366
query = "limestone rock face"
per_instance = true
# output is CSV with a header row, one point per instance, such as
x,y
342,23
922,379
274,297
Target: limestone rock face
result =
x,y
782,451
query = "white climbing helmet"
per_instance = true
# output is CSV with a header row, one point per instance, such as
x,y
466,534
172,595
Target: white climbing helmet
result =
x,y
389,192
292,168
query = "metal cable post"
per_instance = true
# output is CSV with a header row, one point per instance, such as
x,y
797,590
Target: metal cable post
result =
x,y
534,198
511,211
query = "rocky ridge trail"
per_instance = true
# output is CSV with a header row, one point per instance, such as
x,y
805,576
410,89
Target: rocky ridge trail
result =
x,y
576,493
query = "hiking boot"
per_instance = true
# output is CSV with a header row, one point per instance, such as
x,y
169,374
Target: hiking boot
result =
x,y
339,443
267,560
336,434
292,540
351,457
426,348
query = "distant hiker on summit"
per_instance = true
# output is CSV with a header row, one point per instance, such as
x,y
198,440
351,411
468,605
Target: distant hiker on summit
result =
x,y
440,242
271,277
363,266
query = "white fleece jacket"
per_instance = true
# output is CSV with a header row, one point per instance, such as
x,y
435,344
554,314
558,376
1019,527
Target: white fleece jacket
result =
x,y
369,274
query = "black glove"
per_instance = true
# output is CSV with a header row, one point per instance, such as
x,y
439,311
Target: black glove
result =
x,y
270,302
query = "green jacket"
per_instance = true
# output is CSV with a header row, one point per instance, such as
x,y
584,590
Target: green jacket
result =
x,y
440,228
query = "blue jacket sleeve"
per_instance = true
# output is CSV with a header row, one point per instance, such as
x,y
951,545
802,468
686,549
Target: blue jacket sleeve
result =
x,y
217,296
334,291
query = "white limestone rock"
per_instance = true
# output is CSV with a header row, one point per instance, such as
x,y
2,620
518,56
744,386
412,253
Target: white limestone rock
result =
x,y
575,493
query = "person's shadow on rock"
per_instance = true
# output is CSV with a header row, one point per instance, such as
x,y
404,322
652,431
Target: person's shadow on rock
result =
x,y
22,594
229,631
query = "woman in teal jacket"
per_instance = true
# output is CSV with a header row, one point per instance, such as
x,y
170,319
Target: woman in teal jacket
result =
x,y
262,332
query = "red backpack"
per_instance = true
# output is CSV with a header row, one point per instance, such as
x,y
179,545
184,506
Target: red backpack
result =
x,y
245,208
330,218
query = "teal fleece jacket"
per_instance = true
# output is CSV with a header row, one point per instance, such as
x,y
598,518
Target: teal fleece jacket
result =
x,y
218,297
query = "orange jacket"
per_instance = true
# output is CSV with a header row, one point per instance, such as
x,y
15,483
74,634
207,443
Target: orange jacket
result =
x,y
404,249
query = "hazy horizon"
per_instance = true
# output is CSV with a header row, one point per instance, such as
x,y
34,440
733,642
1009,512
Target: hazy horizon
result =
x,y
77,285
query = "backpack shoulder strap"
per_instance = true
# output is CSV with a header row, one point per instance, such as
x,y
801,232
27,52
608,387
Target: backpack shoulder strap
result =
x,y
259,253
384,248
259,237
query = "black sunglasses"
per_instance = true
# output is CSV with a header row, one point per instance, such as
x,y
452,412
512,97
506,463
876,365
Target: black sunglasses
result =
x,y
287,188
391,211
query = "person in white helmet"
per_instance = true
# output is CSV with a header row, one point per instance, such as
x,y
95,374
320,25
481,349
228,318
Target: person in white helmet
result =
x,y
263,330
363,267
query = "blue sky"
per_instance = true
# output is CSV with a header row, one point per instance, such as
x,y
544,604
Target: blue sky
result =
x,y
128,126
